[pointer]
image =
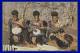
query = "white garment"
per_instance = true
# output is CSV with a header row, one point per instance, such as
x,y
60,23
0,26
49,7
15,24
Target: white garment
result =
x,y
16,30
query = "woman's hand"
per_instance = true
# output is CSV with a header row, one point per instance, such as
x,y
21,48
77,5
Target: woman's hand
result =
x,y
18,23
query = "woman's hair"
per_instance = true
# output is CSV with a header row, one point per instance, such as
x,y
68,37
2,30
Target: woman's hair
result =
x,y
36,13
54,13
14,12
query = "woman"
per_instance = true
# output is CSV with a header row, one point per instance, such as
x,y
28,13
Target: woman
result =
x,y
37,24
62,39
14,23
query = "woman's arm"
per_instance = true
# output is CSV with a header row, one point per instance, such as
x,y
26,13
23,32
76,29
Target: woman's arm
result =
x,y
19,23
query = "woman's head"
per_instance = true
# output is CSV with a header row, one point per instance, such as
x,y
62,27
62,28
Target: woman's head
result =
x,y
54,15
36,15
15,14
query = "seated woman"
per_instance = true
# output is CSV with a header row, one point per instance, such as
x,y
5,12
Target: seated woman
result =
x,y
15,29
57,31
37,37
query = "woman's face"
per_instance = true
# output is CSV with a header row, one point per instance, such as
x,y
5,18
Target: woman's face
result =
x,y
36,18
55,19
14,17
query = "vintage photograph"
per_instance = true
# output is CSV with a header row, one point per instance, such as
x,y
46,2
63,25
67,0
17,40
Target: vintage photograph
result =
x,y
40,26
